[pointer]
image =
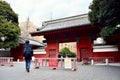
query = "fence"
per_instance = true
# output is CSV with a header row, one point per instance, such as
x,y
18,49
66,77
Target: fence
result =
x,y
5,53
56,63
85,61
105,60
6,61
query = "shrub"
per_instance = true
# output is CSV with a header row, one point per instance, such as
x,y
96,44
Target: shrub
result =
x,y
66,52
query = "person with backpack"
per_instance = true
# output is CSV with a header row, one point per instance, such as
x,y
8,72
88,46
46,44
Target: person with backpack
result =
x,y
27,54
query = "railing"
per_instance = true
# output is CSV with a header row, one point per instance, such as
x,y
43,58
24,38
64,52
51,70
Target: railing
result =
x,y
6,61
105,60
85,61
55,63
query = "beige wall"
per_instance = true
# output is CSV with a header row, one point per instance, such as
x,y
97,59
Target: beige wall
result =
x,y
39,38
70,45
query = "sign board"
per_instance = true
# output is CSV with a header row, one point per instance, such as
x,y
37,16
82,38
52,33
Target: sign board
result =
x,y
68,63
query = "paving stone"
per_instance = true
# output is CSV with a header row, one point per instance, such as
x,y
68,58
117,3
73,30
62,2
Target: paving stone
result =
x,y
84,72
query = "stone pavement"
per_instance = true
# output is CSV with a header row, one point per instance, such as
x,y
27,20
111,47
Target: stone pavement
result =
x,y
84,72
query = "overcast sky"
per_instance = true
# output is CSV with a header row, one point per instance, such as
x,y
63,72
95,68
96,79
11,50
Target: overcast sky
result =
x,y
43,10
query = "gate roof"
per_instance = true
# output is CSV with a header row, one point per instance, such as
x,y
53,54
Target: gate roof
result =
x,y
32,41
64,23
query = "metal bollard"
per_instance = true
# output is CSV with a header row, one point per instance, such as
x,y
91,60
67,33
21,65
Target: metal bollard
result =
x,y
92,62
106,61
18,60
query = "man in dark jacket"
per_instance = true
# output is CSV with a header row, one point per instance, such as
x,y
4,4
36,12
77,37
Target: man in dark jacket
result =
x,y
27,54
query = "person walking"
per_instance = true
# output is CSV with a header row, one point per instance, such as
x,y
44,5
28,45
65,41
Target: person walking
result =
x,y
27,54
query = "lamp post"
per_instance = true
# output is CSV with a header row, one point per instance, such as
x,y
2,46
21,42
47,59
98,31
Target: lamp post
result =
x,y
3,38
118,26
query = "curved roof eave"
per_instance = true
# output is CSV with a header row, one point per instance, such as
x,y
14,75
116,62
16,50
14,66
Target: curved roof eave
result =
x,y
43,31
63,23
32,41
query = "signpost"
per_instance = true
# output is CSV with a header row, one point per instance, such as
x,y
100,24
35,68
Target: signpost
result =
x,y
68,63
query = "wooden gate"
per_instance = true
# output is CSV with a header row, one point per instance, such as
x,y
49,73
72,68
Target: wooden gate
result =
x,y
52,53
84,54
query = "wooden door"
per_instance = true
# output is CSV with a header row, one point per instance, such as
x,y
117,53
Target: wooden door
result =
x,y
84,53
52,53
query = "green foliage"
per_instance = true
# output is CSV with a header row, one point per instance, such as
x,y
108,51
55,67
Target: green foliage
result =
x,y
8,26
106,31
71,54
105,14
67,52
7,13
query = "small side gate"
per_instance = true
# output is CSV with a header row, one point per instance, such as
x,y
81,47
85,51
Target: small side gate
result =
x,y
56,63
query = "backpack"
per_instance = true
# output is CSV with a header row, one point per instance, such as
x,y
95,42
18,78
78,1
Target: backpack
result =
x,y
27,51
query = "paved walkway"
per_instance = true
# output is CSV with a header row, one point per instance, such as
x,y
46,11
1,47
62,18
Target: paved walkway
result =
x,y
84,72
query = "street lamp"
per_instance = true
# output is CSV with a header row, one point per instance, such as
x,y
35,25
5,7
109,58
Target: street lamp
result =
x,y
118,26
3,38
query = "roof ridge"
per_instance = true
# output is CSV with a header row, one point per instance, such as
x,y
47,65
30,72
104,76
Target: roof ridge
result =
x,y
63,19
64,23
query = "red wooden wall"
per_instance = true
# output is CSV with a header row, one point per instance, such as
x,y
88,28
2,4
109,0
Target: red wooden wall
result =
x,y
17,52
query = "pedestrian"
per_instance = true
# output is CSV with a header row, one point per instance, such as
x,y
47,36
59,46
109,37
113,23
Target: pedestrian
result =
x,y
27,54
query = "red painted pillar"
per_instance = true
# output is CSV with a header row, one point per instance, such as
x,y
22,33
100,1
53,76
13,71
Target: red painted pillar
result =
x,y
78,51
52,49
86,45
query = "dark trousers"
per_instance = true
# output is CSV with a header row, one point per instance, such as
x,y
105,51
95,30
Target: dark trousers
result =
x,y
28,62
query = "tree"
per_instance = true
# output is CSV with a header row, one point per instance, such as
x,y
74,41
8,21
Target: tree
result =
x,y
105,14
9,28
67,52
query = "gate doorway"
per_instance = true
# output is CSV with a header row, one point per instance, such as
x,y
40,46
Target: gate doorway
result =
x,y
70,45
84,53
